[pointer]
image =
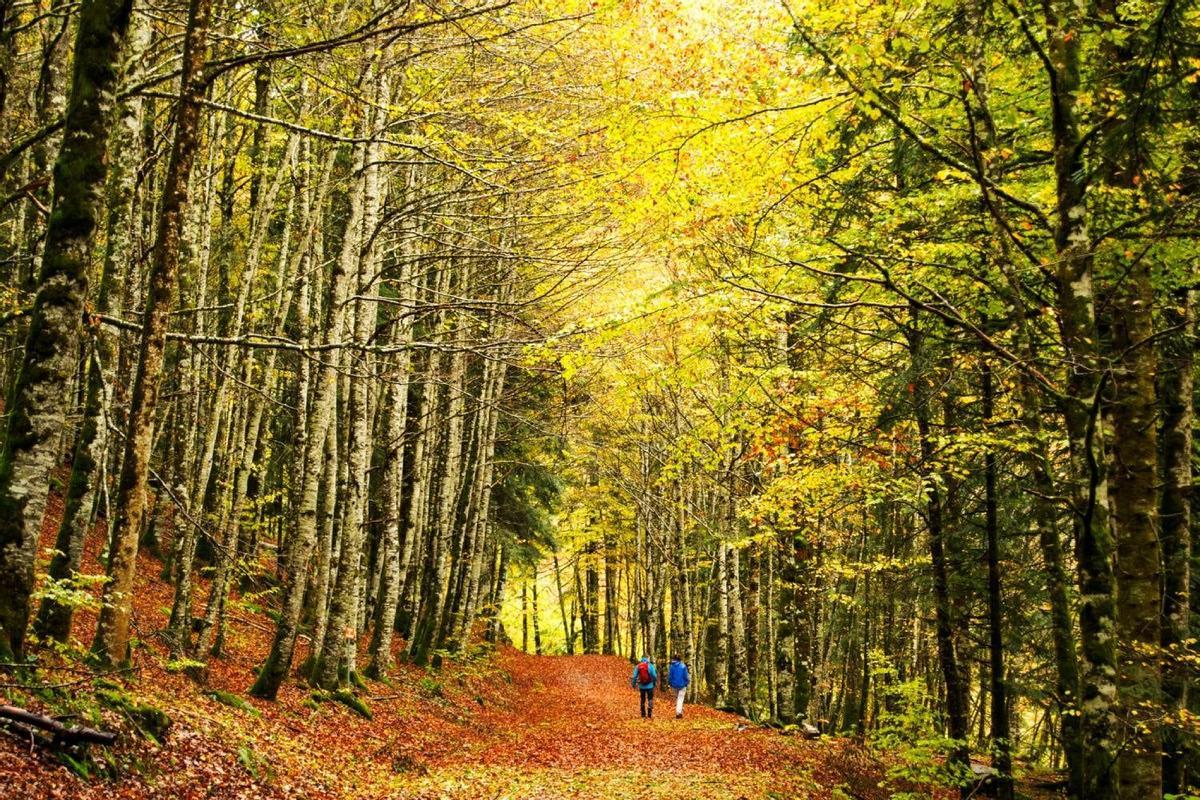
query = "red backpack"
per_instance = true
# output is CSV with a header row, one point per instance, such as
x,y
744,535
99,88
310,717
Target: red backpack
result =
x,y
643,674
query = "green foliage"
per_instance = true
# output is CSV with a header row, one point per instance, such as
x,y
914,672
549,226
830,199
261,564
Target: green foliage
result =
x,y
79,766
77,592
522,502
254,763
528,484
431,686
909,731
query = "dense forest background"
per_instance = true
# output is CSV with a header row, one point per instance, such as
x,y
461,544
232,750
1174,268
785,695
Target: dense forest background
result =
x,y
845,350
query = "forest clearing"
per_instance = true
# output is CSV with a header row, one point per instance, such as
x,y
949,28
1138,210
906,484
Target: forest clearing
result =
x,y
396,393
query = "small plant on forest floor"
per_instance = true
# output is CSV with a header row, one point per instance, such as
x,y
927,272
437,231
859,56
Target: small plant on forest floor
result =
x,y
431,687
82,766
254,601
256,765
407,764
233,701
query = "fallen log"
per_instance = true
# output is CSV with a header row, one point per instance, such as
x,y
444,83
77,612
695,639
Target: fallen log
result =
x,y
61,734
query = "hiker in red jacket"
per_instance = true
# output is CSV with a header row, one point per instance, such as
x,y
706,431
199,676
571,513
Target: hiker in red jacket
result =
x,y
644,679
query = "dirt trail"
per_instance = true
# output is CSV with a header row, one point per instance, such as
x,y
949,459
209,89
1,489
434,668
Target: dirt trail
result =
x,y
572,729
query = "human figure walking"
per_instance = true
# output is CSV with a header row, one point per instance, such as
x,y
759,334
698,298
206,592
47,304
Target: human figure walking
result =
x,y
678,677
644,679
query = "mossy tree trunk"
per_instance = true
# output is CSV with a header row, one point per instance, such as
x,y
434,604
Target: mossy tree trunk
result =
x,y
37,407
111,644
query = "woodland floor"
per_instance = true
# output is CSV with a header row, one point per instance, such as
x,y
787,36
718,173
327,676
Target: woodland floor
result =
x,y
502,725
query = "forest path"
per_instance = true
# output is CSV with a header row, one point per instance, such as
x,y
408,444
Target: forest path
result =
x,y
573,729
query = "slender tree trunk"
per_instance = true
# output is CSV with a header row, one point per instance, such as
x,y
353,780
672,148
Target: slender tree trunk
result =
x,y
111,644
491,409
326,555
393,486
956,691
1000,734
416,547
1089,485
431,618
495,626
568,632
319,448
537,628
334,665
721,655
610,599
524,616
1175,512
1057,582
591,613
739,666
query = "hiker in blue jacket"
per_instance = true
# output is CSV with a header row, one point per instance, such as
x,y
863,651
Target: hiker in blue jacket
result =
x,y
679,678
645,678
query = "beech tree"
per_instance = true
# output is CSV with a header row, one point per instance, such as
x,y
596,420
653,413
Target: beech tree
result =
x,y
847,352
37,408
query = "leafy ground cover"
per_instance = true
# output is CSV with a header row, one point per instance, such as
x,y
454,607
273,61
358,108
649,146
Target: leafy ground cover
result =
x,y
502,724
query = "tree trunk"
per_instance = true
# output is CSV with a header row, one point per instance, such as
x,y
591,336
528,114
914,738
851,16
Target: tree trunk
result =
x,y
1088,484
1135,505
111,644
1175,512
524,616
721,654
335,663
537,628
493,391
739,667
318,448
495,626
91,441
393,486
446,519
568,630
37,406
1000,735
957,721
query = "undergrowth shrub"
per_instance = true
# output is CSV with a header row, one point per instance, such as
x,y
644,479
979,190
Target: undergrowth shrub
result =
x,y
909,732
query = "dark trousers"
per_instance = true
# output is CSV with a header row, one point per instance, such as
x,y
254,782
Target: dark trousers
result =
x,y
647,701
